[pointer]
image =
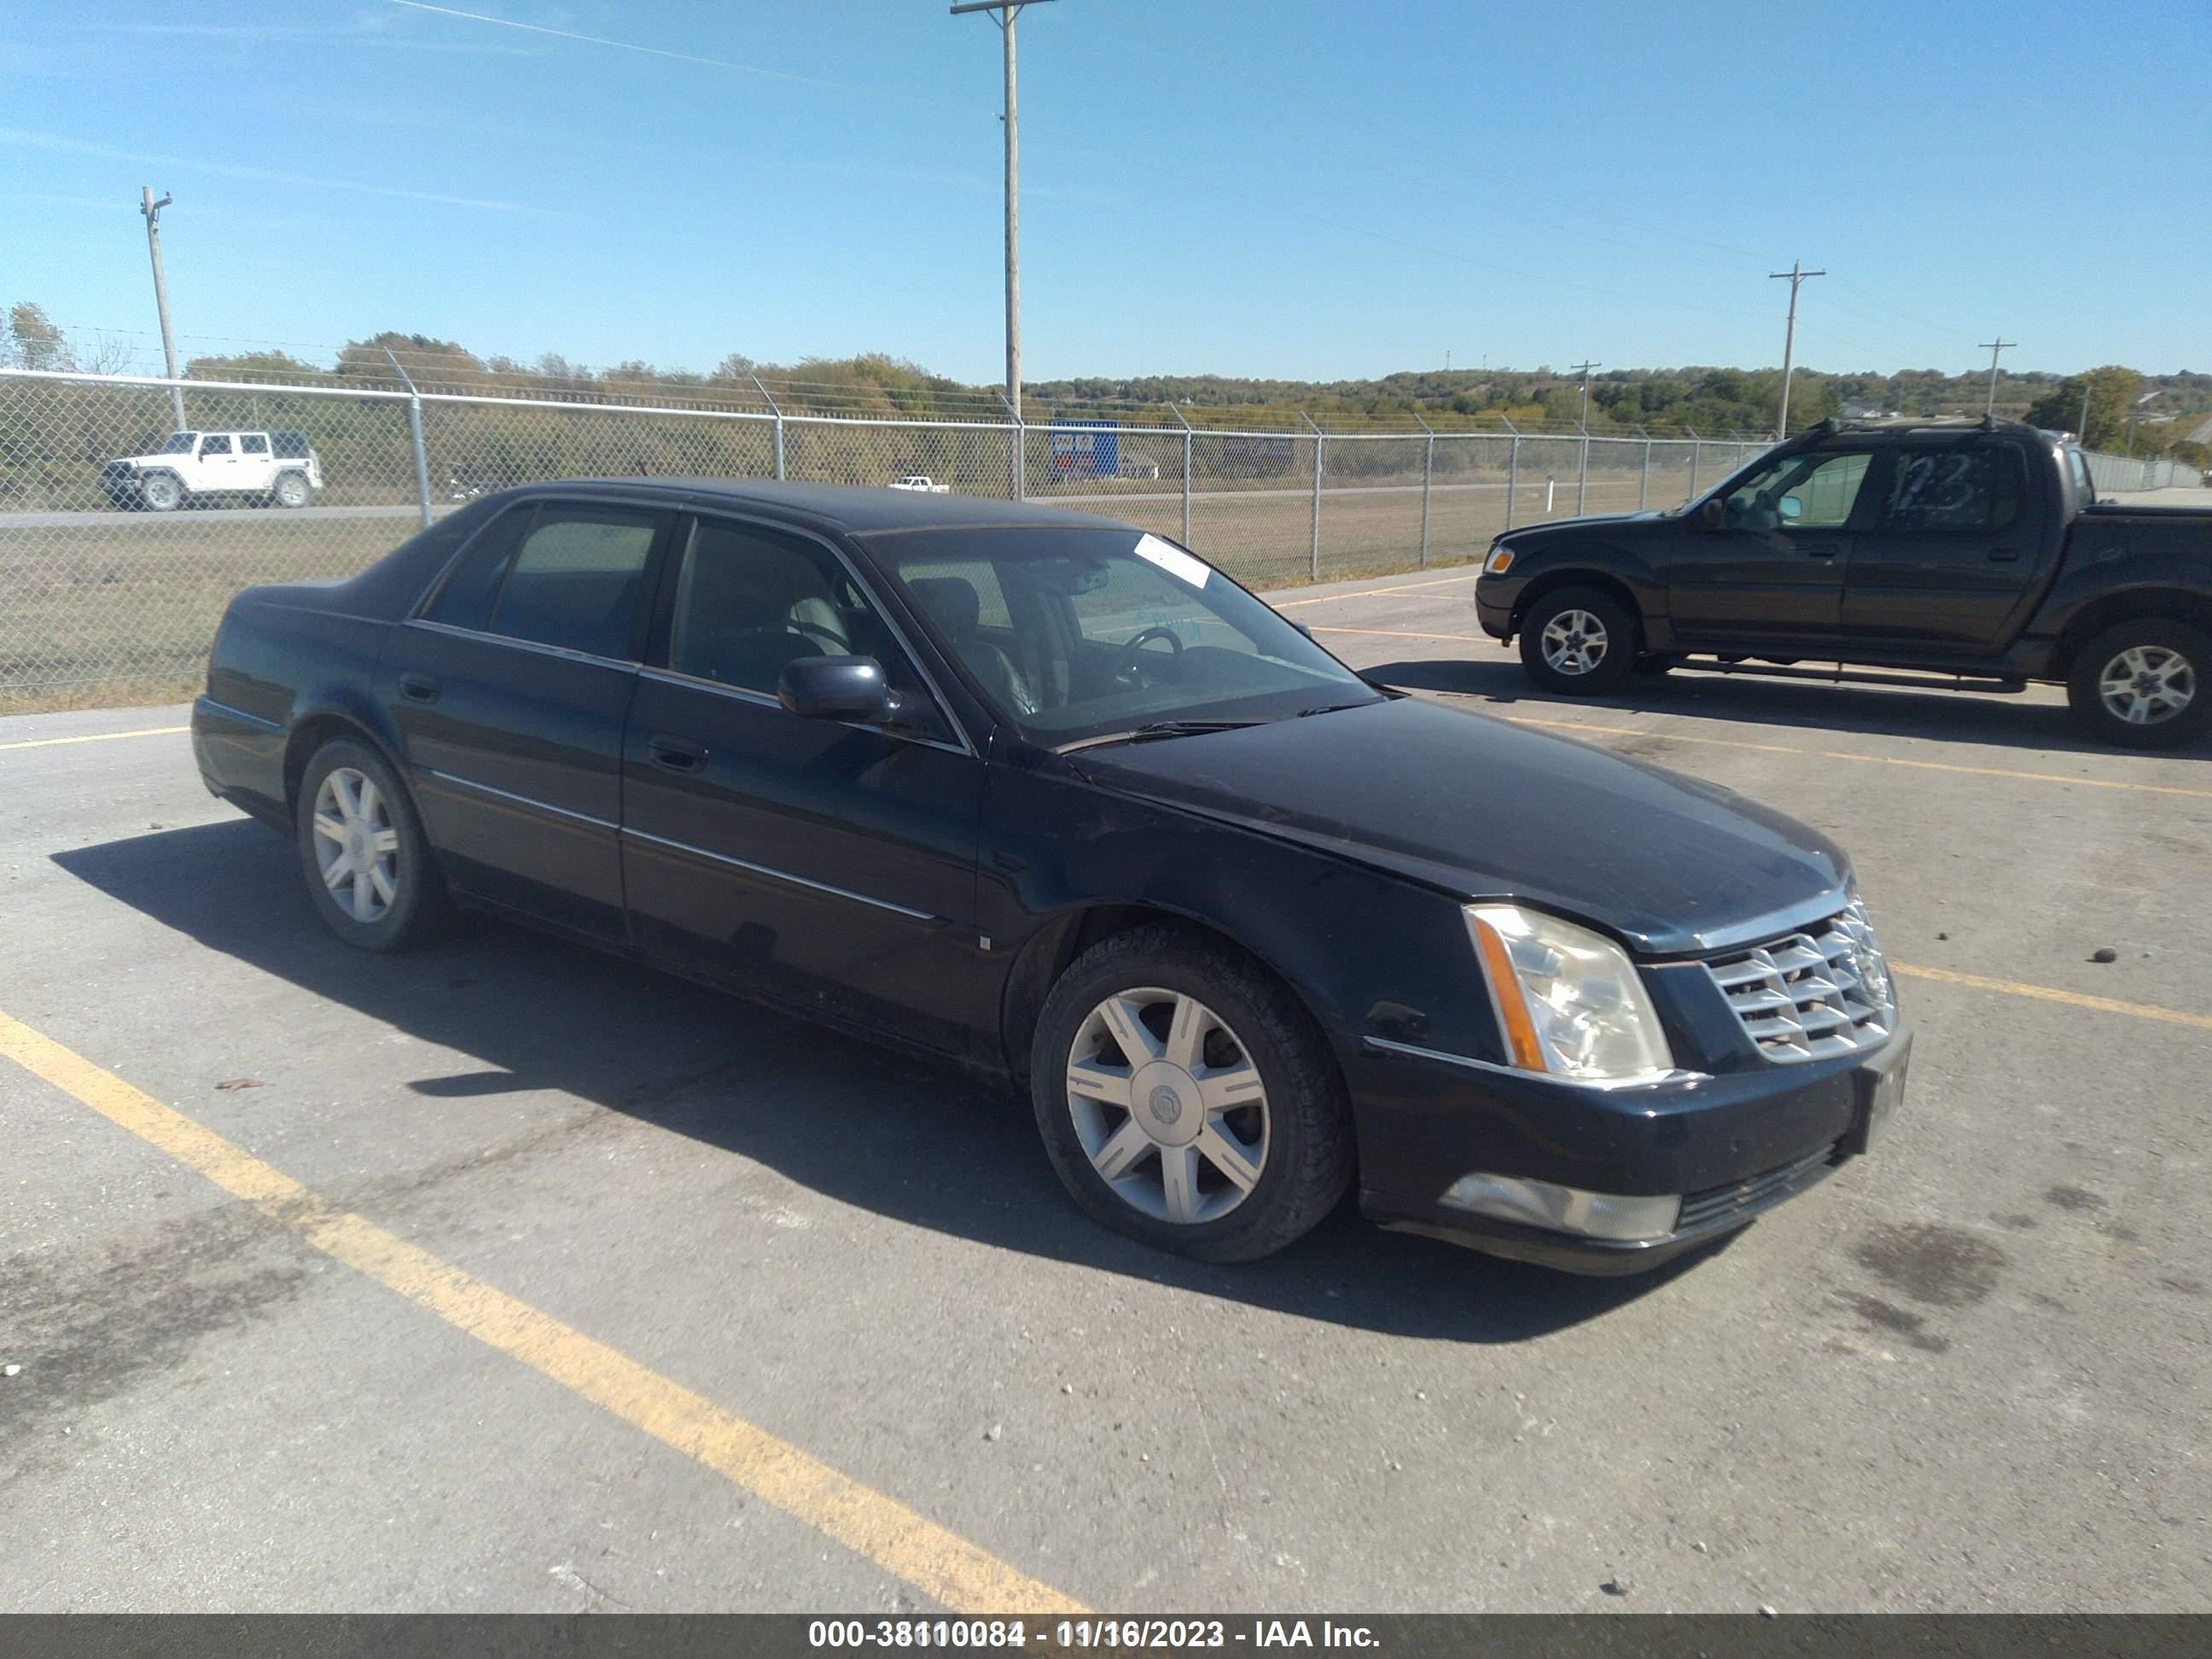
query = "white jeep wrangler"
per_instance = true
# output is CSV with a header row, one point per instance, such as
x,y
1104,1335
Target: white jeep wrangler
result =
x,y
277,469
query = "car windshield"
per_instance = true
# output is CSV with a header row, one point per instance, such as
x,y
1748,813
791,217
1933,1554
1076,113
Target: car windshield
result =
x,y
1079,634
180,443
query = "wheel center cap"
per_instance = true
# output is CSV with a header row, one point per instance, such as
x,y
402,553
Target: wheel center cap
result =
x,y
357,844
1166,1101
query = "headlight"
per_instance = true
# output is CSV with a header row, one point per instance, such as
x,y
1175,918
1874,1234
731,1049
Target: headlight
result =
x,y
1569,1001
1499,561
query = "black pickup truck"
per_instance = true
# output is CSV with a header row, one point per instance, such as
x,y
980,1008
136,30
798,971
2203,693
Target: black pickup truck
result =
x,y
1978,550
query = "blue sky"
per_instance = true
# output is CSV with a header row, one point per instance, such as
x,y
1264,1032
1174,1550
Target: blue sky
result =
x,y
1295,188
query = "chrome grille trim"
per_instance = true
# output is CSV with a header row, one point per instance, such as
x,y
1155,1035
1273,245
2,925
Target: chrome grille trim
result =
x,y
1811,995
1752,1193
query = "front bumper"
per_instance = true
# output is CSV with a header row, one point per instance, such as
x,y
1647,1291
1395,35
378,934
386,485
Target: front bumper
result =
x,y
1494,599
1732,1145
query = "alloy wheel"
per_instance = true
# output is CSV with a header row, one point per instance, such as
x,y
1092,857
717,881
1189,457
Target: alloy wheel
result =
x,y
1169,1105
356,844
2148,685
1574,642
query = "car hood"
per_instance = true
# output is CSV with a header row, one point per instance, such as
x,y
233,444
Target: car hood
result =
x,y
1553,528
1484,809
148,461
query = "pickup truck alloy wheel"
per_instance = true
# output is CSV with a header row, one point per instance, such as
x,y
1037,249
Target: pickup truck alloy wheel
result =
x,y
1187,1097
2136,684
161,492
2147,685
1575,642
1578,641
367,865
291,491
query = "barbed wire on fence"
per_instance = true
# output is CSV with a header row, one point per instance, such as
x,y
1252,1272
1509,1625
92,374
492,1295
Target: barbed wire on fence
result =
x,y
113,576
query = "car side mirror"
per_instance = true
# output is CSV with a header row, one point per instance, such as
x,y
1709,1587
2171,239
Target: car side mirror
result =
x,y
1302,628
1790,508
1713,514
840,688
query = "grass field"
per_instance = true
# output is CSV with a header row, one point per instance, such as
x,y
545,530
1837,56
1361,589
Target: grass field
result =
x,y
112,611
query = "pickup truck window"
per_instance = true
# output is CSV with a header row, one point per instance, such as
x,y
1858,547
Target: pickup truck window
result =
x,y
1800,492
1967,491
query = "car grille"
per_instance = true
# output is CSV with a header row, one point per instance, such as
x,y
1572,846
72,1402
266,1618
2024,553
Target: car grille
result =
x,y
1811,995
1752,1194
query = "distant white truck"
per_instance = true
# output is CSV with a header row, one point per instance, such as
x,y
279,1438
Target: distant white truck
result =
x,y
277,469
918,481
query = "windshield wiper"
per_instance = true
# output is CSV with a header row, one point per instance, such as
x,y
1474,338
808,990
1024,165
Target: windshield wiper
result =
x,y
1333,708
1156,729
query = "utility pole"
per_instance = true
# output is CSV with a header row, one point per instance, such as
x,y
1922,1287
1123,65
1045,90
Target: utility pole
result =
x,y
1007,11
2083,433
1795,274
152,209
1995,347
1582,489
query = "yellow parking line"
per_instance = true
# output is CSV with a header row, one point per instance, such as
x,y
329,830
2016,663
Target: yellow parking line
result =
x,y
2047,994
1468,574
1673,736
1401,634
938,1562
98,736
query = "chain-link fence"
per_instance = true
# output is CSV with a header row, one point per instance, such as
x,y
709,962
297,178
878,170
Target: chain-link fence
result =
x,y
121,538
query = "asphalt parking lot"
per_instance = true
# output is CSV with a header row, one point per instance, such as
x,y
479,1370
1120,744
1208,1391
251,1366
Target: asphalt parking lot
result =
x,y
531,1280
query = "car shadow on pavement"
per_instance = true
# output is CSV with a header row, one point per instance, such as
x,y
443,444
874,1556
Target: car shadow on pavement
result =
x,y
858,1124
1856,711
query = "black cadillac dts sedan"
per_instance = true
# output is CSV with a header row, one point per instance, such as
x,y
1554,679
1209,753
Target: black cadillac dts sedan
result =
x,y
1050,797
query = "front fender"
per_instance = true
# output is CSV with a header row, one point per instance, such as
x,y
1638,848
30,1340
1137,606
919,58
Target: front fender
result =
x,y
1368,953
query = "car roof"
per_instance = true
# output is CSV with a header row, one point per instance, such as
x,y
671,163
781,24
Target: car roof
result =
x,y
849,507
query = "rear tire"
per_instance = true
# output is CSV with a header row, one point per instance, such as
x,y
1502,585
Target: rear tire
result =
x,y
2139,685
1240,1139
290,489
368,867
1578,642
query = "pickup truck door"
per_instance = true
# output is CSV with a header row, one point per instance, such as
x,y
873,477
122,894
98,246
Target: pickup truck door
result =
x,y
1774,566
1949,551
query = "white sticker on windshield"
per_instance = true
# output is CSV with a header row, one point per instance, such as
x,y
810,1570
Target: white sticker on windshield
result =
x,y
1182,566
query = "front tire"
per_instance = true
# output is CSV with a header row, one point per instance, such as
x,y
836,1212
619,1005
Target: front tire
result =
x,y
2139,685
367,865
1187,1099
161,492
1578,642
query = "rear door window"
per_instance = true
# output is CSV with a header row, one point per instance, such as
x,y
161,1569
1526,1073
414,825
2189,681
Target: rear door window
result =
x,y
574,583
1951,490
555,573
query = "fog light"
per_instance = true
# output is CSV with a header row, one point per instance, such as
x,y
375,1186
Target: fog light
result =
x,y
1566,1209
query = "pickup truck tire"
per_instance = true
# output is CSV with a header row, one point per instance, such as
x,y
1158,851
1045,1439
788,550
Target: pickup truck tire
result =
x,y
162,492
290,489
1578,642
2140,683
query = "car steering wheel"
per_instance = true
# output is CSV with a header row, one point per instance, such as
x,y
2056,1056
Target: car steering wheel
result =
x,y
1125,666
